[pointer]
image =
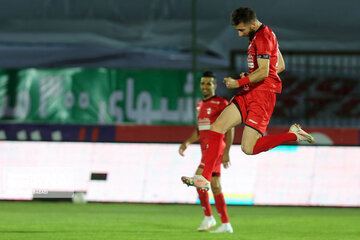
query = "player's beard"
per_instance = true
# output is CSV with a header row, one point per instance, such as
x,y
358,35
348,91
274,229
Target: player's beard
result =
x,y
206,95
251,34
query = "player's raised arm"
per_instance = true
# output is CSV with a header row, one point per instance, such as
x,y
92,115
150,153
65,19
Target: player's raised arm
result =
x,y
281,62
193,138
261,72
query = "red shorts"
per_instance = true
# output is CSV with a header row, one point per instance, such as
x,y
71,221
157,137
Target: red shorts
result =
x,y
255,108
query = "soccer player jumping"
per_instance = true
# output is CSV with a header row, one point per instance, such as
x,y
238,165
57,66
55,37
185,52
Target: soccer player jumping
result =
x,y
208,109
254,104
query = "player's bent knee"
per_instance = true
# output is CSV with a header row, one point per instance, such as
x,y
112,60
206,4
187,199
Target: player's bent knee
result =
x,y
248,150
215,186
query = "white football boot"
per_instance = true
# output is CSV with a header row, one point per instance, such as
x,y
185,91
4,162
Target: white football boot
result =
x,y
197,181
207,223
224,228
201,183
301,135
189,181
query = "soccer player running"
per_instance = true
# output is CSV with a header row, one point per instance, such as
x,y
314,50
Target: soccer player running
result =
x,y
254,104
208,110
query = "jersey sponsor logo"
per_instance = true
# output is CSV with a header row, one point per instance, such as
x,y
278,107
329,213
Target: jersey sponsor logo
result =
x,y
216,102
208,111
250,120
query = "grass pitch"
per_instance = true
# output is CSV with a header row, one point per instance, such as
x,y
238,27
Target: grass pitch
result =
x,y
54,220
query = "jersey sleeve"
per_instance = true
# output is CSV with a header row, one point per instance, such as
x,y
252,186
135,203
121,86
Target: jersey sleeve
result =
x,y
198,105
224,103
264,46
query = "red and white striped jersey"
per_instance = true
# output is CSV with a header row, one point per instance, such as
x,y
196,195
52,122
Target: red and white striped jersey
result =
x,y
264,45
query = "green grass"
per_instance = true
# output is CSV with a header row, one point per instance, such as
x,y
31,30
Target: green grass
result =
x,y
95,221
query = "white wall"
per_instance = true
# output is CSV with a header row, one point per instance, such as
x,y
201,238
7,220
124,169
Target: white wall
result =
x,y
287,175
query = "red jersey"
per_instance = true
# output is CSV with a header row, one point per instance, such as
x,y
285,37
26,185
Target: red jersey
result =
x,y
264,45
208,111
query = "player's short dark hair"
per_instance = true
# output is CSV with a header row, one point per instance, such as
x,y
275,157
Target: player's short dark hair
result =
x,y
242,15
209,74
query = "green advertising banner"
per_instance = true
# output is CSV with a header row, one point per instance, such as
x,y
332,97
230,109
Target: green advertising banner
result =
x,y
98,96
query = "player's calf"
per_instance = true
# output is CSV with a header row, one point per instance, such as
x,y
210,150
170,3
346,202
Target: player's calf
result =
x,y
215,185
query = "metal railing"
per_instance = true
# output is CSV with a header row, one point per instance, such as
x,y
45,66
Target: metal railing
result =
x,y
319,88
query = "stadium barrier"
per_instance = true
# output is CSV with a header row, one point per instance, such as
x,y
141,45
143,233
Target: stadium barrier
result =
x,y
150,173
151,133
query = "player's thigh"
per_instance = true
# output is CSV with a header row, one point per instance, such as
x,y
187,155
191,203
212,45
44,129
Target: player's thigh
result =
x,y
199,171
249,139
216,185
229,117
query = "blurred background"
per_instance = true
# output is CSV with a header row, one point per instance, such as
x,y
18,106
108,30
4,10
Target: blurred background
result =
x,y
94,93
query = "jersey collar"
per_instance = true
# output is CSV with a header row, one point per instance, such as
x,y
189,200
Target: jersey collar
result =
x,y
251,38
209,98
262,25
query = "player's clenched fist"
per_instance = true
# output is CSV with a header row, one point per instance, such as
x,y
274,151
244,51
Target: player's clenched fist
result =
x,y
230,82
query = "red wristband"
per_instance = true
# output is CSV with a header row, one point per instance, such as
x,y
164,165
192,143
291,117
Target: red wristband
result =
x,y
243,81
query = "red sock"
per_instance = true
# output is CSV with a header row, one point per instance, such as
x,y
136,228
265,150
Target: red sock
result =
x,y
215,147
204,201
267,142
221,207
